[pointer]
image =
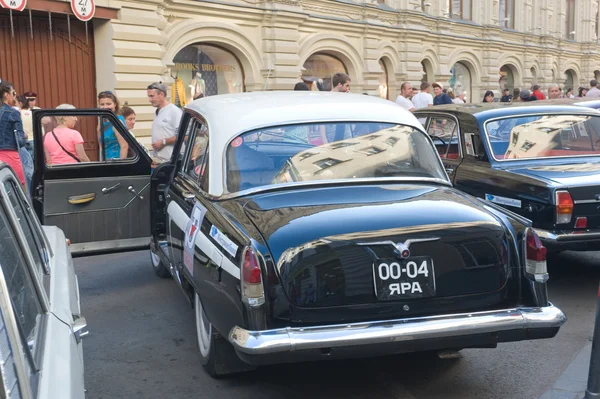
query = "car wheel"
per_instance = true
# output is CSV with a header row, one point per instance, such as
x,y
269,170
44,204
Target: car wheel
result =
x,y
216,354
159,267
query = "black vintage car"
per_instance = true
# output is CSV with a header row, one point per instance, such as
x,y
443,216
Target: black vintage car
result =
x,y
307,226
538,159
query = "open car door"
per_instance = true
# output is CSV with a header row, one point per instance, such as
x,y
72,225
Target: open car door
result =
x,y
101,203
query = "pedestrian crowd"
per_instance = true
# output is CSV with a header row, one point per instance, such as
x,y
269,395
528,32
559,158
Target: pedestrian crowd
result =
x,y
63,144
411,99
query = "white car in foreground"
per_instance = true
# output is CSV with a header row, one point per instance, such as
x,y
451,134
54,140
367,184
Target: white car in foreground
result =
x,y
40,320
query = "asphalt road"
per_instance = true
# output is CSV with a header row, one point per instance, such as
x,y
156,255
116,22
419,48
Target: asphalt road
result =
x,y
143,345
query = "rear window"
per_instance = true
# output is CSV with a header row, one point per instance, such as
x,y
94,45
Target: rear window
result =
x,y
332,151
544,136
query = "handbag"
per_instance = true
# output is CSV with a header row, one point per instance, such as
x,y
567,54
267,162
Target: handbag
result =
x,y
63,148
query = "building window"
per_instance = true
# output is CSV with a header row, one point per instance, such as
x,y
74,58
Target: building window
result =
x,y
383,81
319,70
462,9
570,28
507,78
202,70
507,14
461,80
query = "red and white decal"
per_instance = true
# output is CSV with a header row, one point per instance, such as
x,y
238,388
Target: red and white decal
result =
x,y
84,10
17,5
191,231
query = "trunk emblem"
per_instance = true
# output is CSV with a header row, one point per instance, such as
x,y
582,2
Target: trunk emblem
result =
x,y
402,248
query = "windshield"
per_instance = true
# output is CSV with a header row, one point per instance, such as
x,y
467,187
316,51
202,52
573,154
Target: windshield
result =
x,y
332,151
544,136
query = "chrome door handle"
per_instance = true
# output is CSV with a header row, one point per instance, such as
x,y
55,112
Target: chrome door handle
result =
x,y
132,190
106,190
79,328
188,195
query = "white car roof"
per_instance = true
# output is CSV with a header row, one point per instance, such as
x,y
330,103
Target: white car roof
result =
x,y
229,115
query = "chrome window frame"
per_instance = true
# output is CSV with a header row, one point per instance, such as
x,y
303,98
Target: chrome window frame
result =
x,y
431,115
524,115
193,120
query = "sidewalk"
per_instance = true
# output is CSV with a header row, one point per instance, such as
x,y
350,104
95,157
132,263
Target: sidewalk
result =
x,y
573,381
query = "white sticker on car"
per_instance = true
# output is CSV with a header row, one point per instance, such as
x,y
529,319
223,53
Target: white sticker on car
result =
x,y
191,230
223,241
503,200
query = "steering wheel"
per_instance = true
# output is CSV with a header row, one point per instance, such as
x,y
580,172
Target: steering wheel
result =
x,y
438,138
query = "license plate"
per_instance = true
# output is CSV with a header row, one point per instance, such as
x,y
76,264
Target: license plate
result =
x,y
404,278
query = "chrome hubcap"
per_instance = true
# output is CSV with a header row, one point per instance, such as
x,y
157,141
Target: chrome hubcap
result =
x,y
203,328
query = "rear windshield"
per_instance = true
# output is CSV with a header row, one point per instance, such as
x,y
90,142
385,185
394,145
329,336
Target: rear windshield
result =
x,y
544,136
343,150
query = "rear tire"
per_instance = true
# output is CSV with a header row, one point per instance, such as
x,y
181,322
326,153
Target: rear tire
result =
x,y
217,356
158,266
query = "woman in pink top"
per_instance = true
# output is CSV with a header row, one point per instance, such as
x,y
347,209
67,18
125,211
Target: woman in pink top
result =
x,y
63,144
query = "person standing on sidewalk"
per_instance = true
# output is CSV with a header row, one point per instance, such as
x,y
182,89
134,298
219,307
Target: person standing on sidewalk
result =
x,y
424,99
440,97
12,136
166,122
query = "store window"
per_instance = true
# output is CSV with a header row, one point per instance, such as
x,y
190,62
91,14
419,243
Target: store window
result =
x,y
383,81
570,79
461,80
319,70
507,78
202,70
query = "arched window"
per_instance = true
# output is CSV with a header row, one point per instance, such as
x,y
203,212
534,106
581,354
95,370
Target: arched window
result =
x,y
507,78
202,70
570,79
383,81
319,69
461,80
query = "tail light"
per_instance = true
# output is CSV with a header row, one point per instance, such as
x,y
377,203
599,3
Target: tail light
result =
x,y
535,257
581,222
252,284
564,207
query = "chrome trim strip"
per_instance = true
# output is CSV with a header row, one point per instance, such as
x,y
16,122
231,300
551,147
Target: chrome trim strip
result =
x,y
582,111
325,183
292,339
566,237
591,201
84,247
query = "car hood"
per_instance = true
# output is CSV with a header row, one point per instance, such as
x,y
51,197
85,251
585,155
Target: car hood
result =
x,y
568,175
295,218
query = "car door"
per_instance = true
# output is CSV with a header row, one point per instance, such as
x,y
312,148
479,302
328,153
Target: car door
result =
x,y
36,298
445,132
202,242
102,206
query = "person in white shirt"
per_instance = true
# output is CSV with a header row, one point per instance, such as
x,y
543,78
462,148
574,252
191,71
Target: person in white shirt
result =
x,y
594,92
405,93
459,99
166,122
424,98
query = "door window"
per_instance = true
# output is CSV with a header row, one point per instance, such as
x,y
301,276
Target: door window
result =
x,y
30,228
444,133
64,144
195,163
25,301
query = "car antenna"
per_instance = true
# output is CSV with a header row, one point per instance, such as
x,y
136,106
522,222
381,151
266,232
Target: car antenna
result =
x,y
267,80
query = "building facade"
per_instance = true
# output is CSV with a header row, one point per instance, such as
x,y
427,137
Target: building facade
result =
x,y
225,46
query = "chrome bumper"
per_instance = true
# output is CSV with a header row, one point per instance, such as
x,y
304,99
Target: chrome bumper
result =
x,y
390,331
583,235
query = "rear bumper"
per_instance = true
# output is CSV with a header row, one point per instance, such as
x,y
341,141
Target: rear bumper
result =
x,y
402,335
573,240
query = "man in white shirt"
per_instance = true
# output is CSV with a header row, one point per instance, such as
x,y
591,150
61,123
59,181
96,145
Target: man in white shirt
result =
x,y
594,92
424,98
166,122
405,93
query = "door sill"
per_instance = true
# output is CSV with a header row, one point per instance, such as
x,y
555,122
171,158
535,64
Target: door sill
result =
x,y
110,246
